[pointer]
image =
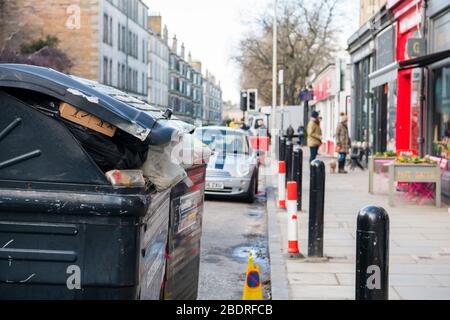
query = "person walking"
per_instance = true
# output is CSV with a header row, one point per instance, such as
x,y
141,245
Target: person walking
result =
x,y
314,133
342,142
290,133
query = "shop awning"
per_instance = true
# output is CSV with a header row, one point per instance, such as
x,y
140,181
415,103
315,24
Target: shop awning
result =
x,y
425,60
384,75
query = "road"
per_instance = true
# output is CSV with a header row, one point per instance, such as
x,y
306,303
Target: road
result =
x,y
231,230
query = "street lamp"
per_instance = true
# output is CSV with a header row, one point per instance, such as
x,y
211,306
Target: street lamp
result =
x,y
274,62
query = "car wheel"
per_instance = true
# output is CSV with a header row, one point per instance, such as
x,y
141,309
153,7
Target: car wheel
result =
x,y
251,194
257,181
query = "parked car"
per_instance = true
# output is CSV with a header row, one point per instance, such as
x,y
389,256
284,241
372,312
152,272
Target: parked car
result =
x,y
233,167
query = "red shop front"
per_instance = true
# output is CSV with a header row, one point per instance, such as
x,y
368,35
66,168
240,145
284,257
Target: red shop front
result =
x,y
407,14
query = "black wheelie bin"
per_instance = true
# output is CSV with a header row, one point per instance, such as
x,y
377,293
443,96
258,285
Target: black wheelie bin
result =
x,y
66,232
185,232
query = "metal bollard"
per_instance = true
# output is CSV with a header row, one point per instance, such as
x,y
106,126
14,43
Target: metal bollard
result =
x,y
291,204
298,176
282,150
372,254
282,185
316,209
289,159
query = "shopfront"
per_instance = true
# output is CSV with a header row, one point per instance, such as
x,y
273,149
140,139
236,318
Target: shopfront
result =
x,y
362,51
325,105
435,63
408,17
383,85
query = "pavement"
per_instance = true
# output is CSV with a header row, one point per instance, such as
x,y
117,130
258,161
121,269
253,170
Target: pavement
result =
x,y
419,245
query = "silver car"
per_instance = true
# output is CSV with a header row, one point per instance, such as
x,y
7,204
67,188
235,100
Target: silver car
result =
x,y
233,167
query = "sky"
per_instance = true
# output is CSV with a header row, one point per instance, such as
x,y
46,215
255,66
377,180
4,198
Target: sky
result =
x,y
211,30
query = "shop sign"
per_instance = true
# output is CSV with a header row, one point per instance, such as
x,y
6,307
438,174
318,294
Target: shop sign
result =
x,y
411,21
322,88
386,48
416,47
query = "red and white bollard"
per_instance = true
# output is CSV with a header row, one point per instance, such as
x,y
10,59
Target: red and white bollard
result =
x,y
282,185
293,247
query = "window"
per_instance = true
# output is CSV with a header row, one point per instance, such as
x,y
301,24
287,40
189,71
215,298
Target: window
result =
x,y
119,37
105,28
124,48
441,134
119,76
110,31
105,70
110,72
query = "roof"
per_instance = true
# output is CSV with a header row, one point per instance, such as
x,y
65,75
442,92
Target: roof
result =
x,y
113,106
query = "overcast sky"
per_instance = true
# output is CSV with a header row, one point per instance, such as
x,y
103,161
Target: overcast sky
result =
x,y
211,30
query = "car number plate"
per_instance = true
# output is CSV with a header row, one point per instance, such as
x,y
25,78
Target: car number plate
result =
x,y
215,186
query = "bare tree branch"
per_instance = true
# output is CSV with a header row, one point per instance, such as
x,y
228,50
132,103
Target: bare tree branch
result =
x,y
306,43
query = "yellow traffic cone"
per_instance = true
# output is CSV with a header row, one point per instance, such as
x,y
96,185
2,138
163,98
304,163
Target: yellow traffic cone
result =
x,y
253,288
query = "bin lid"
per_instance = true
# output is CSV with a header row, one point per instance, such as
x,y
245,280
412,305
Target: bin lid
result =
x,y
120,109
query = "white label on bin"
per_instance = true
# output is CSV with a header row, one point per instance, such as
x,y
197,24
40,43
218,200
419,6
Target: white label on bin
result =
x,y
374,281
74,280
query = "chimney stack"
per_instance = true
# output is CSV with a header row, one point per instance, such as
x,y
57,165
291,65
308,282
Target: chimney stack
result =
x,y
175,44
166,35
183,49
190,58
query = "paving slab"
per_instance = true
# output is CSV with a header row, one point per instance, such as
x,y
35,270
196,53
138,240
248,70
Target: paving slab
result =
x,y
419,246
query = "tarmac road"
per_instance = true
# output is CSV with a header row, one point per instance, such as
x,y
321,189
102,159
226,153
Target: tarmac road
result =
x,y
231,230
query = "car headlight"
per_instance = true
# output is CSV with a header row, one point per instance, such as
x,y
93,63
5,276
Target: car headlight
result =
x,y
242,170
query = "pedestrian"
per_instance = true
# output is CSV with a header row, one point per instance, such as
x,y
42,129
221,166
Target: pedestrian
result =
x,y
314,133
301,135
343,142
244,126
290,133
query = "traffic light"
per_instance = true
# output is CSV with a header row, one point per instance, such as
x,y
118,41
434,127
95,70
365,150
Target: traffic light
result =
x,y
249,100
244,100
252,96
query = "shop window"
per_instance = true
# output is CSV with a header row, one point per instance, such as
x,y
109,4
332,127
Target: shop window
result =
x,y
442,112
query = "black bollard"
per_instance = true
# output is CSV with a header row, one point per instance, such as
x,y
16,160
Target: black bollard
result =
x,y
289,161
282,150
372,254
316,209
298,176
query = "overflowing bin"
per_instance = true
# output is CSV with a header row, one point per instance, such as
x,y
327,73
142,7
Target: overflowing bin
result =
x,y
183,249
78,219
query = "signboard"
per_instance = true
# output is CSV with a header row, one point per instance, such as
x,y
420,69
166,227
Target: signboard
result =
x,y
416,47
322,87
416,173
306,95
385,48
411,21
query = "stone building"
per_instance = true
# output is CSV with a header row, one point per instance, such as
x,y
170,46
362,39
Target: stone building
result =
x,y
212,100
184,81
197,90
158,80
106,40
368,9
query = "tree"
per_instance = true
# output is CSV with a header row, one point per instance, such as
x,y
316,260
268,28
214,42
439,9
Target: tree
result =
x,y
306,43
41,52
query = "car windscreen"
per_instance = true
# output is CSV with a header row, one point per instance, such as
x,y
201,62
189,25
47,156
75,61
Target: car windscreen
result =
x,y
223,141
